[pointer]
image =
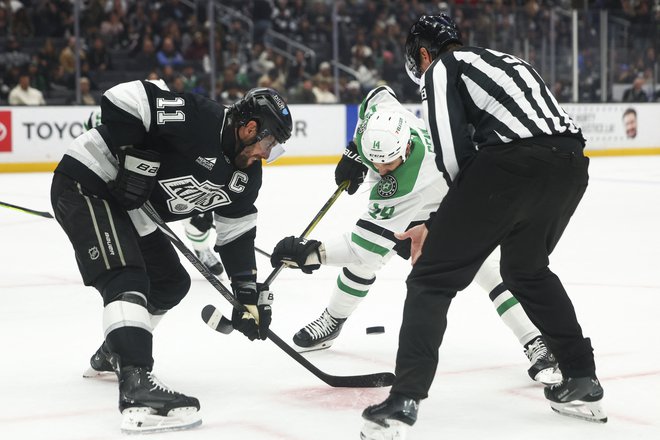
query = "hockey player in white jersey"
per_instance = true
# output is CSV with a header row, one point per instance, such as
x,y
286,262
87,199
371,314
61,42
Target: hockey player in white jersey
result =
x,y
408,187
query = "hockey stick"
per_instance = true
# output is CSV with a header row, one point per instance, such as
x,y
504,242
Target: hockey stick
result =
x,y
264,253
317,218
360,381
27,210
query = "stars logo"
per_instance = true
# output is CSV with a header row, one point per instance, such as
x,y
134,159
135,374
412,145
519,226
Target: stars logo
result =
x,y
387,186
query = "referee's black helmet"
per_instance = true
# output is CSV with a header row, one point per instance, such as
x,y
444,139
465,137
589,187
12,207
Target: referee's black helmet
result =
x,y
432,32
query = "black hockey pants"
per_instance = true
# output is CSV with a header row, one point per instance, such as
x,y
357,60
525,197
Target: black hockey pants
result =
x,y
520,197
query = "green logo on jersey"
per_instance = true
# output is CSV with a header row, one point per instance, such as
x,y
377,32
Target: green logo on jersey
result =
x,y
387,186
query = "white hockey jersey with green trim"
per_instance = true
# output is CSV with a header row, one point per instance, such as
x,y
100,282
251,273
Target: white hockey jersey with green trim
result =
x,y
410,193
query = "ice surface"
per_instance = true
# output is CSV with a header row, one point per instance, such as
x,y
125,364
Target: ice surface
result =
x,y
609,260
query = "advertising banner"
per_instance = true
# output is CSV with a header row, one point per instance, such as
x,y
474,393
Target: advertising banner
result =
x,y
618,126
42,134
35,138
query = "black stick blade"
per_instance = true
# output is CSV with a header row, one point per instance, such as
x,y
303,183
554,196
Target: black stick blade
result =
x,y
214,319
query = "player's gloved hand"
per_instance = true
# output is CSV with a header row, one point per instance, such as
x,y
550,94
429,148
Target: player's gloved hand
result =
x,y
136,178
257,299
203,222
351,168
302,253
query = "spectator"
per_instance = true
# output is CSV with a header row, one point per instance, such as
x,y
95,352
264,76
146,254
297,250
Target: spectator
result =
x,y
198,48
168,55
274,79
146,59
323,94
324,73
98,57
232,92
352,93
178,85
304,93
173,10
68,56
262,11
636,93
112,30
86,96
38,77
297,71
23,94
22,25
14,54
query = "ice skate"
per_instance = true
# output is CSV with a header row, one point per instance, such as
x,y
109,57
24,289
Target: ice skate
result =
x,y
210,261
318,334
543,365
147,405
101,362
389,420
577,397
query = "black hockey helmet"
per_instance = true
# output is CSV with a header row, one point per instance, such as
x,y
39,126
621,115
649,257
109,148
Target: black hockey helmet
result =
x,y
432,32
268,109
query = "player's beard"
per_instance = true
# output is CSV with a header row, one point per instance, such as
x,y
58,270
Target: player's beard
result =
x,y
244,159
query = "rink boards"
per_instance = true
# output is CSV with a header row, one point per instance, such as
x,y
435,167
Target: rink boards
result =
x,y
35,138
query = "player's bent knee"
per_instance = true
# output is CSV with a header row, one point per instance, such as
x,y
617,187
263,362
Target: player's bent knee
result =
x,y
116,282
167,294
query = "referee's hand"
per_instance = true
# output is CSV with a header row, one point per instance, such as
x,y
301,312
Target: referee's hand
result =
x,y
417,236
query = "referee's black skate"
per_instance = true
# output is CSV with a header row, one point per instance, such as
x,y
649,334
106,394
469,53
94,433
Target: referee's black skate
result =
x,y
389,420
147,405
101,362
577,397
543,365
318,334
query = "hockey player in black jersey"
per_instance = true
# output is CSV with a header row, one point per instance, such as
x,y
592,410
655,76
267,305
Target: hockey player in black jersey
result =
x,y
186,155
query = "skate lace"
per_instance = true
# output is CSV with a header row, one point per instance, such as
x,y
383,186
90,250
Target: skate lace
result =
x,y
322,326
536,350
157,384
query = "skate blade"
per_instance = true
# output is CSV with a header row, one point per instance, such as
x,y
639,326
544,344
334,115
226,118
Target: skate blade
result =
x,y
549,376
579,409
91,373
143,421
322,346
395,430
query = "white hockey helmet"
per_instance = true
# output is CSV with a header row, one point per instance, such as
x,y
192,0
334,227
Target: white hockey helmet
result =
x,y
385,137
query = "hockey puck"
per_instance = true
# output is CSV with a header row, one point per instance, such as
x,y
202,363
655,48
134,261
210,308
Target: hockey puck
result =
x,y
375,330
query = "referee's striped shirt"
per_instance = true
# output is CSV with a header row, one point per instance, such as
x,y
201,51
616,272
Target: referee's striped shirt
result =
x,y
475,97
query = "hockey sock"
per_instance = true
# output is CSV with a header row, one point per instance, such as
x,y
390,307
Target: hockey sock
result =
x,y
352,286
127,329
199,239
513,315
155,315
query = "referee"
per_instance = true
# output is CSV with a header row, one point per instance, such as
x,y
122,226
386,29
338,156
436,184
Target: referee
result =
x,y
516,172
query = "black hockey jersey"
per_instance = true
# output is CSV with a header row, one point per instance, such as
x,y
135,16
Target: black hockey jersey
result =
x,y
196,147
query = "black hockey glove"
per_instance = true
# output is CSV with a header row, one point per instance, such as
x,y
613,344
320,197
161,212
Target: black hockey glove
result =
x,y
136,177
203,222
295,251
257,298
351,168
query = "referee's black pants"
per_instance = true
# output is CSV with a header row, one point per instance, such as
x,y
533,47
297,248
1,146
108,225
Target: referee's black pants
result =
x,y
519,196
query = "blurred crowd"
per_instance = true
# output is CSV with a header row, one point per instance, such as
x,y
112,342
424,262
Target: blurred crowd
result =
x,y
288,45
